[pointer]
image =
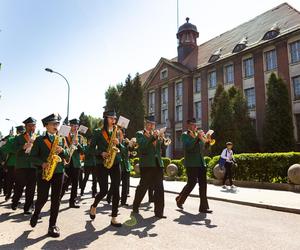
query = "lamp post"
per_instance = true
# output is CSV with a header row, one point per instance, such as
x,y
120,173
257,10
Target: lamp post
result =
x,y
10,120
52,71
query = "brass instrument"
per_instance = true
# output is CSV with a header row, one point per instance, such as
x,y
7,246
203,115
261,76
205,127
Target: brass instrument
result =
x,y
132,144
112,150
166,140
53,159
72,148
32,139
207,137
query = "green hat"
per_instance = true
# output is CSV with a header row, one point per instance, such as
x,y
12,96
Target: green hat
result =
x,y
150,119
55,117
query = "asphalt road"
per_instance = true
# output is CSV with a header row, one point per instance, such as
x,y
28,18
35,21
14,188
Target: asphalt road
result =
x,y
230,226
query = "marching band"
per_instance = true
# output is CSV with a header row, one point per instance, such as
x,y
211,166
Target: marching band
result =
x,y
55,160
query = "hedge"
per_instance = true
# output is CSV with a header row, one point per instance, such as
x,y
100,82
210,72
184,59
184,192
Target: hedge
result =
x,y
263,167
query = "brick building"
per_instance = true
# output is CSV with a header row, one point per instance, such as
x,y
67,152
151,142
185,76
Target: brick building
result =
x,y
244,56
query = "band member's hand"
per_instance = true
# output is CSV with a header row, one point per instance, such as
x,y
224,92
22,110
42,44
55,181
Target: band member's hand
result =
x,y
105,155
75,142
45,165
155,133
27,145
59,149
201,134
116,141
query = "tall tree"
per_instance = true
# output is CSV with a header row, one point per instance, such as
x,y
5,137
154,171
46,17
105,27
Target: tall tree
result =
x,y
219,91
278,135
90,122
244,138
113,98
222,121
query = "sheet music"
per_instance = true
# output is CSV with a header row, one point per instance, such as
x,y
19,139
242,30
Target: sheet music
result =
x,y
83,129
123,122
64,130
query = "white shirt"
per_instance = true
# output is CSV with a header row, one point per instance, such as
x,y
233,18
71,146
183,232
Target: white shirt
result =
x,y
227,154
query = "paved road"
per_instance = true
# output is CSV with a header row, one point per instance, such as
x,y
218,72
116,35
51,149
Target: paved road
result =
x,y
231,226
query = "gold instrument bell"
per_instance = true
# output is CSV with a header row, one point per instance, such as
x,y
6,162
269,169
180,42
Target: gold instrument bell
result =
x,y
207,137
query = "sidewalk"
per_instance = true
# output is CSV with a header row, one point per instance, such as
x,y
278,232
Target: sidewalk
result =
x,y
284,201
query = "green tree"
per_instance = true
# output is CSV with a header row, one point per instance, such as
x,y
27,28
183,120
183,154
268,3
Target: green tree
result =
x,y
113,97
90,122
132,104
219,92
222,121
244,137
278,127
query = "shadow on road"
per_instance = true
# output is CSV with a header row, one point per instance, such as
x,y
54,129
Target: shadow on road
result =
x,y
194,219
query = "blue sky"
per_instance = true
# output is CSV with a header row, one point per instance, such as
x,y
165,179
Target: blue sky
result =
x,y
95,44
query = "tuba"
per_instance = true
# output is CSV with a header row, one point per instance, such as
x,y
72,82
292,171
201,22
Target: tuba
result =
x,y
53,159
112,150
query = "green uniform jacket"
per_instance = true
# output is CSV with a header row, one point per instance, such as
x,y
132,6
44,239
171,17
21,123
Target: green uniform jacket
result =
x,y
100,145
40,152
147,152
76,155
89,157
22,159
125,163
9,149
192,151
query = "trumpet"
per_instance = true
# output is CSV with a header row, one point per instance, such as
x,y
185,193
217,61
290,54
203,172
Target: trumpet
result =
x,y
132,144
207,137
166,140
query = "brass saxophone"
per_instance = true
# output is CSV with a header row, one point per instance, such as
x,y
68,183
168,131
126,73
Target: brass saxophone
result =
x,y
53,159
112,150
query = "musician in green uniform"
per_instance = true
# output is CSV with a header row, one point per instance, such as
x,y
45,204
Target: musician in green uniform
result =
x,y
73,166
151,167
25,172
39,155
193,143
101,140
9,149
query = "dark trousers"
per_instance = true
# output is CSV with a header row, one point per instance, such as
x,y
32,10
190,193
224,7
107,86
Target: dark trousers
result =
x,y
151,177
10,181
24,178
43,187
151,194
3,182
73,177
228,173
195,174
87,171
125,177
115,175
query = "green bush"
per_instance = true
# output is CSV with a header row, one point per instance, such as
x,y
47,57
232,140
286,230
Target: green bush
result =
x,y
166,161
264,167
179,164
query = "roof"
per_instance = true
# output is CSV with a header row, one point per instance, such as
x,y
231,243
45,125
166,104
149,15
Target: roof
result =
x,y
283,16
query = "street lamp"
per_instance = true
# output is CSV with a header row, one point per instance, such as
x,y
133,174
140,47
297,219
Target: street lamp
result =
x,y
10,120
52,71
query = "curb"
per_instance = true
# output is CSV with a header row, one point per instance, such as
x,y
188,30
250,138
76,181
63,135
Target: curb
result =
x,y
245,203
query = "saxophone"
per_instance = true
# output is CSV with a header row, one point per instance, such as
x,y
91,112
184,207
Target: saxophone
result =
x,y
112,150
53,159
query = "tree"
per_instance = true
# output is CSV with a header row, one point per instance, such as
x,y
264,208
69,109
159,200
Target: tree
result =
x,y
219,91
90,122
132,104
222,121
113,98
244,137
278,135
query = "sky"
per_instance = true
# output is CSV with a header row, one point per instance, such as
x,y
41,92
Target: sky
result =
x,y
95,44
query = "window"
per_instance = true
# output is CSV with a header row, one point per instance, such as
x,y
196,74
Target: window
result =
x,y
178,114
164,95
295,51
296,85
271,34
271,59
164,74
179,89
164,116
213,58
241,45
250,98
151,103
197,111
212,79
248,68
197,85
178,142
229,74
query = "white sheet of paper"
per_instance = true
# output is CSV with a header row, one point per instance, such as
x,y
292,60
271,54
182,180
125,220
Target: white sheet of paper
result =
x,y
83,129
210,132
64,130
123,122
162,130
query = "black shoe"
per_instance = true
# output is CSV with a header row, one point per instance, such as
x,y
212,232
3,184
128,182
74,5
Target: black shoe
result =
x,y
73,205
27,212
7,197
53,232
124,204
34,220
81,193
160,216
115,224
92,216
93,195
205,211
14,206
179,205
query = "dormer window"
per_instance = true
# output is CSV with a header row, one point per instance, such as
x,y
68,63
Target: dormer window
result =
x,y
272,33
241,45
215,56
164,74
